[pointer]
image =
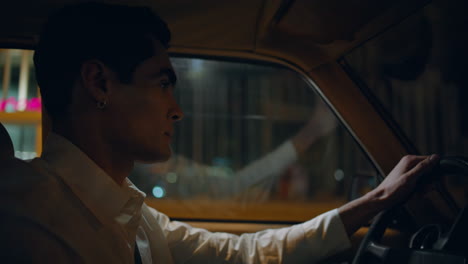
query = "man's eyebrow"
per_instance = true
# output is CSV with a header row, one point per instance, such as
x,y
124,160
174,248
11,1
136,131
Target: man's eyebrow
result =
x,y
169,73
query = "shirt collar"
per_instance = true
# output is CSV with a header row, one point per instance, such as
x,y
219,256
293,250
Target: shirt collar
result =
x,y
97,190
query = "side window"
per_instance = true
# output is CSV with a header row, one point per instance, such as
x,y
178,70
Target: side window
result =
x,y
234,155
20,105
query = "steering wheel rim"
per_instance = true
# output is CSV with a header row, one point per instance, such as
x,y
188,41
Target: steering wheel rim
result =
x,y
370,243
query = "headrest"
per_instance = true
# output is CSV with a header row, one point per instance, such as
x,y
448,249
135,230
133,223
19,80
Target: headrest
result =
x,y
6,145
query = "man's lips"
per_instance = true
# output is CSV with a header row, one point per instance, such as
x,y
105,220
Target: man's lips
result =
x,y
168,134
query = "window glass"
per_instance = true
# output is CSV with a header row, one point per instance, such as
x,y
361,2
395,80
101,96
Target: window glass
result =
x,y
24,140
232,153
417,70
20,105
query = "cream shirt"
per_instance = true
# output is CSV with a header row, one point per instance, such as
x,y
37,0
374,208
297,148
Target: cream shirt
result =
x,y
79,214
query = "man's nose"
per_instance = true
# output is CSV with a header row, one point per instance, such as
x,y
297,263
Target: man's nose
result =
x,y
176,113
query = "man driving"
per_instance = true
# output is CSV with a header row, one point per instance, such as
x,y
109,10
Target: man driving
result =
x,y
107,84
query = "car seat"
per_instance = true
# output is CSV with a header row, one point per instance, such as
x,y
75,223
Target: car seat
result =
x,y
6,145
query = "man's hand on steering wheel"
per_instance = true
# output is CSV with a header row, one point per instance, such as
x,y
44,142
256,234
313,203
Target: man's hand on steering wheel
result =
x,y
396,187
402,180
430,244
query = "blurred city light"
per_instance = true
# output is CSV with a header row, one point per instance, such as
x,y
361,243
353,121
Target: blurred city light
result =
x,y
339,175
158,192
171,177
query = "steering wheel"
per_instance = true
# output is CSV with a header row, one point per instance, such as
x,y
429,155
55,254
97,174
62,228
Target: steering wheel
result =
x,y
448,248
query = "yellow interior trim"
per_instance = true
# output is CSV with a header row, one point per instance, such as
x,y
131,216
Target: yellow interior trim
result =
x,y
21,118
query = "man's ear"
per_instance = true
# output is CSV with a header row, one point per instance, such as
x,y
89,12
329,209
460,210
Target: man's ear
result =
x,y
95,78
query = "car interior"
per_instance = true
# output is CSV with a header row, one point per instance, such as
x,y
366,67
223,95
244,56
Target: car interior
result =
x,y
376,80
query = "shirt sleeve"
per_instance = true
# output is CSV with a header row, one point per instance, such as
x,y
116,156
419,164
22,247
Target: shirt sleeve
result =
x,y
308,242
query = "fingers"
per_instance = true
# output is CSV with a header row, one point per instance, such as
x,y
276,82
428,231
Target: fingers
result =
x,y
408,162
423,165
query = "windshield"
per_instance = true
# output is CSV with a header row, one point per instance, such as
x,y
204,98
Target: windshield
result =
x,y
417,71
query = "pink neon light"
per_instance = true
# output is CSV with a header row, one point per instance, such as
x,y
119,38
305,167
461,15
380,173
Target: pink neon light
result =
x,y
32,105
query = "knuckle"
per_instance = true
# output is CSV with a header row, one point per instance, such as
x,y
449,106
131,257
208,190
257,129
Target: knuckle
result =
x,y
425,162
407,158
421,166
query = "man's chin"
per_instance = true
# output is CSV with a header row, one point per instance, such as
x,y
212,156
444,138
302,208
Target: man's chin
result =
x,y
154,157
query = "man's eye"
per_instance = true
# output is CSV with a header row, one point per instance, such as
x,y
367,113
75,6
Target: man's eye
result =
x,y
165,84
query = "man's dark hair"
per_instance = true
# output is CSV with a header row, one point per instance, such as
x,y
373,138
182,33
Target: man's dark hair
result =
x,y
121,37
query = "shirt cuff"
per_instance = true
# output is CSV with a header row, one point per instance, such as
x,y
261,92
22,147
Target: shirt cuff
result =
x,y
326,234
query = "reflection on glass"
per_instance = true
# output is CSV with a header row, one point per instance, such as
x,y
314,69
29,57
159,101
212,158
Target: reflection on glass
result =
x,y
254,133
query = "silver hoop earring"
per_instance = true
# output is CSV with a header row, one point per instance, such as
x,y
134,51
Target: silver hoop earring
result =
x,y
101,104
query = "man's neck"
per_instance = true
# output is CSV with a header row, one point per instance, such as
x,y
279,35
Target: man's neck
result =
x,y
98,150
